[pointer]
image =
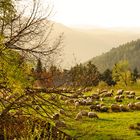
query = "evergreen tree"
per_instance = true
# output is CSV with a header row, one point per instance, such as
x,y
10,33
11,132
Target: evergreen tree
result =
x,y
135,75
107,77
39,66
92,75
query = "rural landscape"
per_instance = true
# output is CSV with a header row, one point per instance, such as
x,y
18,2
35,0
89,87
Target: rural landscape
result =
x,y
66,83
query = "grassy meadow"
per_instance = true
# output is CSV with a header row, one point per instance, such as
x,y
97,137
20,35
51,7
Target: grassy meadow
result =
x,y
109,126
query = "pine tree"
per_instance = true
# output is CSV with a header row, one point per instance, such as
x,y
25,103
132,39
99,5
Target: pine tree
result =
x,y
135,75
39,66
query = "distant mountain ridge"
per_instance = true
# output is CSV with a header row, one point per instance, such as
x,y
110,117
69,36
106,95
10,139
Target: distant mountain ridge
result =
x,y
81,44
129,51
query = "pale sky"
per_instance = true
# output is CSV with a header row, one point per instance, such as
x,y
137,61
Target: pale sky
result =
x,y
102,13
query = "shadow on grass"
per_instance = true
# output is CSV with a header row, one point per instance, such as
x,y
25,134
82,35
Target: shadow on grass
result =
x,y
107,120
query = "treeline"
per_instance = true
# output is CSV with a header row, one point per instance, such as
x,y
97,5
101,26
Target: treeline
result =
x,y
84,75
129,51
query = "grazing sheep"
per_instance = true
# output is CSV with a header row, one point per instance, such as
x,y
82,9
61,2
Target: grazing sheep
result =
x,y
76,104
120,92
88,98
98,107
132,93
131,106
104,109
117,98
130,96
89,101
83,102
76,100
127,92
78,116
108,94
124,108
59,123
121,96
115,107
56,116
138,98
92,115
84,113
92,107
137,105
95,96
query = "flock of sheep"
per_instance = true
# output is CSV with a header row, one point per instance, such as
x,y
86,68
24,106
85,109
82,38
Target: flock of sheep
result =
x,y
90,105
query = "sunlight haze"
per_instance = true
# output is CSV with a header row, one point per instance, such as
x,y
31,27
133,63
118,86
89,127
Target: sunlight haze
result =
x,y
101,13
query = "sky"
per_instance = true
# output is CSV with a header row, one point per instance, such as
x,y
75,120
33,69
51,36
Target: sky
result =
x,y
101,13
92,13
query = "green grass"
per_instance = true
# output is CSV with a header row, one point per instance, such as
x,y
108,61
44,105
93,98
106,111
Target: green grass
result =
x,y
109,126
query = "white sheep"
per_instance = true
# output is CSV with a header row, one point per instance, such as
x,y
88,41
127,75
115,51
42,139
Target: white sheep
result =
x,y
118,99
124,108
76,104
115,107
84,113
89,101
120,92
132,93
137,105
127,92
138,98
121,96
130,96
92,107
92,115
83,102
104,109
131,106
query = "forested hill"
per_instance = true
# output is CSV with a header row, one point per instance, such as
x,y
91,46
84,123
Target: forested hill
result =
x,y
129,51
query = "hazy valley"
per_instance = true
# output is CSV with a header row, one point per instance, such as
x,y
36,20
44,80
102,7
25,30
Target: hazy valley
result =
x,y
85,43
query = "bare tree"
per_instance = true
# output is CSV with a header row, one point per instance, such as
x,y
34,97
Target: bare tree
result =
x,y
23,36
28,33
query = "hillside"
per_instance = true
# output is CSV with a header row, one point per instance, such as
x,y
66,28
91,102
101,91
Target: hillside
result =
x,y
129,51
87,42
